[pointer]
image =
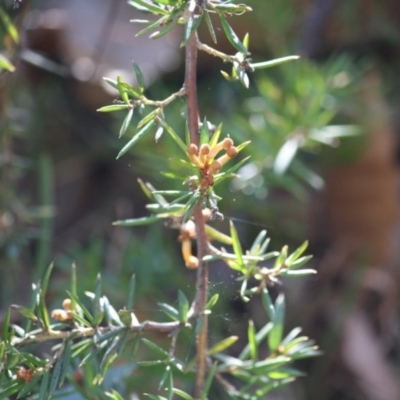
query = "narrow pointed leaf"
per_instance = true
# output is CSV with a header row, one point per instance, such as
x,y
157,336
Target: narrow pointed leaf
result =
x,y
210,26
215,136
255,248
208,382
237,248
267,303
46,278
213,300
122,91
299,262
131,293
139,77
151,345
251,335
231,35
8,25
191,27
142,132
222,345
174,136
190,206
275,335
148,5
260,336
126,122
170,311
55,377
301,272
204,133
272,63
44,386
97,312
114,107
28,387
217,235
182,394
183,306
139,221
164,30
5,64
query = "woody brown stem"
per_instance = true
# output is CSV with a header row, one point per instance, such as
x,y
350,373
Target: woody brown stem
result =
x,y
201,295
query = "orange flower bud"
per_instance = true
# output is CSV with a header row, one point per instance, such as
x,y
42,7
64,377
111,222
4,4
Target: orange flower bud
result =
x,y
192,263
190,260
193,149
206,214
227,143
215,166
204,149
60,315
232,152
219,146
25,374
67,304
203,153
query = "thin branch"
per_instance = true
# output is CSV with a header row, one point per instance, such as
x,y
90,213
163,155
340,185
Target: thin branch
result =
x,y
158,103
216,53
162,327
200,300
191,89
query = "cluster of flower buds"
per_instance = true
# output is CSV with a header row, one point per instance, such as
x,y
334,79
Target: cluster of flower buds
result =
x,y
187,233
25,374
65,314
204,159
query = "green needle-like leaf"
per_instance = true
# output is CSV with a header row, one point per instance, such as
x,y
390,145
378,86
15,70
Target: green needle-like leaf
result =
x,y
142,132
275,335
8,25
210,26
149,6
170,311
213,300
139,77
272,63
191,27
174,136
267,303
131,293
231,35
126,122
251,334
114,107
151,345
237,248
207,384
183,306
5,64
182,394
139,221
223,345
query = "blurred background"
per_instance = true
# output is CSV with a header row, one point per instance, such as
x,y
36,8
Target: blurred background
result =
x,y
324,167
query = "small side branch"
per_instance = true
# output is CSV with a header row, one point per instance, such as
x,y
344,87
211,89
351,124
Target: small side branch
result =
x,y
158,103
161,327
224,57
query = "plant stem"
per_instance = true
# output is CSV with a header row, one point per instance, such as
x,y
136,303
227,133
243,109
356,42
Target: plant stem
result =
x,y
161,327
201,295
191,89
